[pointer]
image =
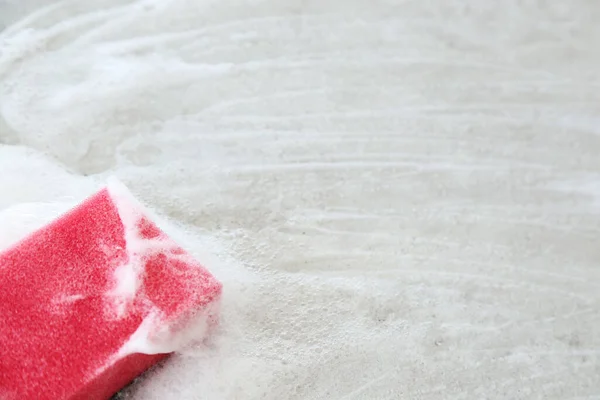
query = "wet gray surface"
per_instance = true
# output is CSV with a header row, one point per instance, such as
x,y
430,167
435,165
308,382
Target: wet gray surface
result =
x,y
413,186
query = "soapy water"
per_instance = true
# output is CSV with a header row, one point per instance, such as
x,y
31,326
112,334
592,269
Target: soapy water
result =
x,y
400,198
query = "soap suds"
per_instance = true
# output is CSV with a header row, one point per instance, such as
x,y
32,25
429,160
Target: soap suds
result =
x,y
154,335
128,277
69,299
128,282
148,340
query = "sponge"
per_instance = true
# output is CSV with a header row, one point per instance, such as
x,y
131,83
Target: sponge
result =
x,y
95,298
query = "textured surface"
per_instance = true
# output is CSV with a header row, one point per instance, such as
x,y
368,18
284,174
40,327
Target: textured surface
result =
x,y
404,195
67,315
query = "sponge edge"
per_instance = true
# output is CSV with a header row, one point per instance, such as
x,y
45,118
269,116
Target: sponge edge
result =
x,y
95,298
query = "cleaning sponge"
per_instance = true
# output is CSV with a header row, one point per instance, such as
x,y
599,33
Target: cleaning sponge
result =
x,y
94,299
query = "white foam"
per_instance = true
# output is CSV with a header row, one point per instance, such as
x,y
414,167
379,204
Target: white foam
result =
x,y
153,336
149,340
128,277
127,283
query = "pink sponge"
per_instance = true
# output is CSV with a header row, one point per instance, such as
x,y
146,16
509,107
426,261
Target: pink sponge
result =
x,y
94,299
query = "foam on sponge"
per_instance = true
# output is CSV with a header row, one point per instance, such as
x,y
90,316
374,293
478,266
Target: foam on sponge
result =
x,y
95,298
